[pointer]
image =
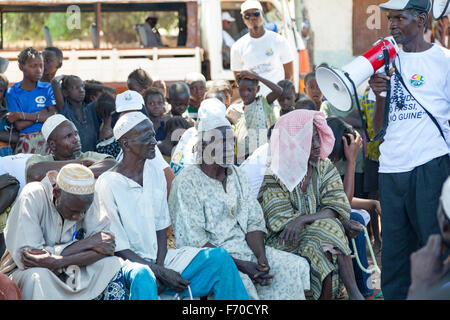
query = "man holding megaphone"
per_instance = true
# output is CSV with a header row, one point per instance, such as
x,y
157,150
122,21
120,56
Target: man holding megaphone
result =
x,y
414,160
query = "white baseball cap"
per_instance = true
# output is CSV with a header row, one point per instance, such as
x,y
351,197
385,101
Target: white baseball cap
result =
x,y
227,17
129,101
421,5
251,4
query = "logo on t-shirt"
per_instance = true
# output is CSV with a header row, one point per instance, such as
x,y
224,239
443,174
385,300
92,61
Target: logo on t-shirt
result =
x,y
417,80
269,52
40,101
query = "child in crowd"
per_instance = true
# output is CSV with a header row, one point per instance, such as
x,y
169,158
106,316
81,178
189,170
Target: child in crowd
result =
x,y
288,97
253,114
139,80
305,103
216,92
175,127
371,164
312,89
8,135
197,88
83,115
30,102
179,95
106,107
223,86
94,89
53,60
155,108
161,85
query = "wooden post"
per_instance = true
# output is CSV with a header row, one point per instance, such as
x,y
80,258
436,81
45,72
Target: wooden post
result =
x,y
98,13
193,33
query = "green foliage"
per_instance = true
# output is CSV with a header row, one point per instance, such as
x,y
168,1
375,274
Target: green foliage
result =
x,y
30,26
117,26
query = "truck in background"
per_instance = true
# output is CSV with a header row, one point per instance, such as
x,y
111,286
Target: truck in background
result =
x,y
196,44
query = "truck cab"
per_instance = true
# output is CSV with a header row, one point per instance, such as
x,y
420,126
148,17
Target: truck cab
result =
x,y
109,41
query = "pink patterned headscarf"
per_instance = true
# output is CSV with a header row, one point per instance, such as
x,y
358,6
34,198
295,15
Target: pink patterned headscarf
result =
x,y
290,144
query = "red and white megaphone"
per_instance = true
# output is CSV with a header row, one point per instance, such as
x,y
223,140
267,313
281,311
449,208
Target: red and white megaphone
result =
x,y
335,85
441,8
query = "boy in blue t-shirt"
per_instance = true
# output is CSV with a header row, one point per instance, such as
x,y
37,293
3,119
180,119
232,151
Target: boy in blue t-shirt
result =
x,y
30,102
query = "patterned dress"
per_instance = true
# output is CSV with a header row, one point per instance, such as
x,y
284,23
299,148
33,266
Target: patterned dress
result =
x,y
203,211
325,190
251,122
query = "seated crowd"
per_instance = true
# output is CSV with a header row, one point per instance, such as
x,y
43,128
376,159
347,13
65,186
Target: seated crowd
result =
x,y
182,190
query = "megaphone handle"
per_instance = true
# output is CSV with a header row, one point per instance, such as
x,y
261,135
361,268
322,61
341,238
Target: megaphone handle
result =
x,y
363,121
387,100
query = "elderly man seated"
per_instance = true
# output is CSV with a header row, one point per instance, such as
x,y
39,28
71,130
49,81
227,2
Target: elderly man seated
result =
x,y
304,202
133,195
59,245
212,205
64,142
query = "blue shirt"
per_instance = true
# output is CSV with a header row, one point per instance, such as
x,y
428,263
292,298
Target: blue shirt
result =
x,y
19,100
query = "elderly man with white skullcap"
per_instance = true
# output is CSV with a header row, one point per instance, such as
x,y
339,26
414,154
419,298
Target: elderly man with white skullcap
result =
x,y
64,142
59,245
212,205
133,195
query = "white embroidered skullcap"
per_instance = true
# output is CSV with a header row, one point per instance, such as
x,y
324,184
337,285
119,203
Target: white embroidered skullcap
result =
x,y
76,179
211,107
129,101
445,197
127,122
51,123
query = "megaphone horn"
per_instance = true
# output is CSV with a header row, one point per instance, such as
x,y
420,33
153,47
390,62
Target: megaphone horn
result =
x,y
441,8
335,83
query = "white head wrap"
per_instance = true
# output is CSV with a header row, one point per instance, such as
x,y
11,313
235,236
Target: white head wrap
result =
x,y
51,123
127,122
76,179
212,115
445,197
129,101
211,107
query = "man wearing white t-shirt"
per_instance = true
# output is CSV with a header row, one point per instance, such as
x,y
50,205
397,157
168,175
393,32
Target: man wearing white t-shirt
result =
x,y
414,161
261,51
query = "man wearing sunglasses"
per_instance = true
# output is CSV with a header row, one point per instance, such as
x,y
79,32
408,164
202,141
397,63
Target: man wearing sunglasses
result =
x,y
261,51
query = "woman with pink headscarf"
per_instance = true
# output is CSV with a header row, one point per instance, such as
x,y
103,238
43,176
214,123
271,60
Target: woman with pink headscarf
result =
x,y
304,202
